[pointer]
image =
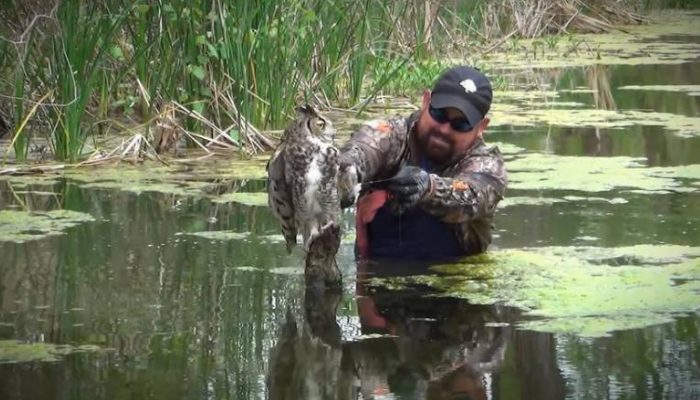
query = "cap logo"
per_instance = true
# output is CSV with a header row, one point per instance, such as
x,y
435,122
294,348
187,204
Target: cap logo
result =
x,y
468,85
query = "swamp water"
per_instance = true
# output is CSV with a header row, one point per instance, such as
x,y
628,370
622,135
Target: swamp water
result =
x,y
174,283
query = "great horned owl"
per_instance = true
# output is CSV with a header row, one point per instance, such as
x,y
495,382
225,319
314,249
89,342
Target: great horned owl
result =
x,y
302,178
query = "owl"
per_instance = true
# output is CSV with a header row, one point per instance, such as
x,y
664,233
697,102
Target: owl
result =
x,y
302,178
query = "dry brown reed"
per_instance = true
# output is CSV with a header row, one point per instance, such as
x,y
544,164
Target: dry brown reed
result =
x,y
535,18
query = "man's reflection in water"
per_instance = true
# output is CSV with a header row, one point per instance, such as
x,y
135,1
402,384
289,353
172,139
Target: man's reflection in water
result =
x,y
414,345
440,348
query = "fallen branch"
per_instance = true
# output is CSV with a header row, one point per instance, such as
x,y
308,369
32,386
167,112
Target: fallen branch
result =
x,y
135,150
500,42
37,169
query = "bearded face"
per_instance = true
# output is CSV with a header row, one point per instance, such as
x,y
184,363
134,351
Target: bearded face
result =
x,y
440,141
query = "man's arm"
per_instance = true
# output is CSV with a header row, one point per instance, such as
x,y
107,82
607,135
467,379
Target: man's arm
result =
x,y
473,193
372,152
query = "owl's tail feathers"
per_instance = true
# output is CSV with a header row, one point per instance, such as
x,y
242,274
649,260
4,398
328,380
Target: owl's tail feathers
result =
x,y
291,240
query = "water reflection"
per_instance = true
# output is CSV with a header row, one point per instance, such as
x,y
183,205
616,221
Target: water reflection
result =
x,y
306,360
442,348
598,77
177,316
413,345
605,89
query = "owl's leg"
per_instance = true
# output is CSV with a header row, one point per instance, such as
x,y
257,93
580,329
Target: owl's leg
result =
x,y
316,231
312,233
327,226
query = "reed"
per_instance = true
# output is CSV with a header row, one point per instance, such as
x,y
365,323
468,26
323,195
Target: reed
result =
x,y
77,54
20,138
230,66
537,18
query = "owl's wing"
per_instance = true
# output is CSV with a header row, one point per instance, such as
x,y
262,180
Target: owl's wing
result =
x,y
279,197
331,163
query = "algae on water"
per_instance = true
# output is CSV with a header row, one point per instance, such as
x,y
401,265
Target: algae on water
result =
x,y
630,255
507,148
246,198
221,235
690,90
522,200
539,201
197,180
573,290
25,181
510,114
22,226
536,171
12,351
637,45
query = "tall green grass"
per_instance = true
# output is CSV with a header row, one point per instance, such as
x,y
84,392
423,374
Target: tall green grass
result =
x,y
85,32
128,59
13,56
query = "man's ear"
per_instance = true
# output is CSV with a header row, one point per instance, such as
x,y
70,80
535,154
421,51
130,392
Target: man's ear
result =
x,y
426,99
483,125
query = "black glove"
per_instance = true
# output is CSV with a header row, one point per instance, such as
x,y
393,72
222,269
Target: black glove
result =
x,y
408,186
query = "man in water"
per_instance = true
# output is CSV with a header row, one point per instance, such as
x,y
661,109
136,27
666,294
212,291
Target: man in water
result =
x,y
430,185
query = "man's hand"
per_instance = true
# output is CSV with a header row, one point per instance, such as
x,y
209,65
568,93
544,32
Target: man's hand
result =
x,y
348,184
408,187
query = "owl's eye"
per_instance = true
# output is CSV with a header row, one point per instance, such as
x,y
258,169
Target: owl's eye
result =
x,y
321,123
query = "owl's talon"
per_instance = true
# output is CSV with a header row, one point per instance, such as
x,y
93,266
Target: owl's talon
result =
x,y
327,226
312,236
315,234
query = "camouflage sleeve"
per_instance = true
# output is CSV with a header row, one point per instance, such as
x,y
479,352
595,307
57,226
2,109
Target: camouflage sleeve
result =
x,y
375,149
477,186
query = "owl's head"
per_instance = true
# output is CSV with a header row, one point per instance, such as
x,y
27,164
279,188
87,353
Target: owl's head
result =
x,y
312,123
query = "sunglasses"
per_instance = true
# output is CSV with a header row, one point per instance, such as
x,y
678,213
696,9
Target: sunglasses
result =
x,y
459,124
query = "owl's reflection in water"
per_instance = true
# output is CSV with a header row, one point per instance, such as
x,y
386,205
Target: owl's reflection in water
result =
x,y
412,346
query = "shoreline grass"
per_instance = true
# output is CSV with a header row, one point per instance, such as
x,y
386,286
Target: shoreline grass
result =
x,y
235,66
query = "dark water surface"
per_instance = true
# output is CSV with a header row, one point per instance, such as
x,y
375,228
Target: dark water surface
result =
x,y
177,316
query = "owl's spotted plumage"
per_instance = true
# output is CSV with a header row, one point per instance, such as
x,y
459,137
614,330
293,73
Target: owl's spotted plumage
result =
x,y
302,178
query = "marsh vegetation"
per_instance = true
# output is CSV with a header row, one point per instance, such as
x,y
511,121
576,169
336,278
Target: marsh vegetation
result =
x,y
223,73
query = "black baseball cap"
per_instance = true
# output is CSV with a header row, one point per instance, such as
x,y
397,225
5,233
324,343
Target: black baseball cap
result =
x,y
466,89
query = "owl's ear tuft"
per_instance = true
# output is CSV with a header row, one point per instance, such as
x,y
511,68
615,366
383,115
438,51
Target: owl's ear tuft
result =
x,y
307,109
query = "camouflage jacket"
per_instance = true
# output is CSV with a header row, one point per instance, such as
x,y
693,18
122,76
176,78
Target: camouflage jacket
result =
x,y
464,193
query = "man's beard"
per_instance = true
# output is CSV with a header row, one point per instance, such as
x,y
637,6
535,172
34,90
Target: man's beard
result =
x,y
436,147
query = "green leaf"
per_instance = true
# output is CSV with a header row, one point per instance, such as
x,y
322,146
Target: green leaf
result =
x,y
205,91
142,8
212,51
199,106
197,71
116,52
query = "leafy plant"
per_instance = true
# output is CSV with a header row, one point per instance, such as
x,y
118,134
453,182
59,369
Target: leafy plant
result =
x,y
552,41
406,76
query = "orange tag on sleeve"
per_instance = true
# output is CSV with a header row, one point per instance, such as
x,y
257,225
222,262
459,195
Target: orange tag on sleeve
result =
x,y
380,126
459,185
